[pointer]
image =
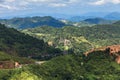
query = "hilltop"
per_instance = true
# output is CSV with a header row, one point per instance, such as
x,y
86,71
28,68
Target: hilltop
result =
x,y
117,23
31,22
113,16
98,21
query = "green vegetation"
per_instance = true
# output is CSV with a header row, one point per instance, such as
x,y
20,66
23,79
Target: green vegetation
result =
x,y
31,22
99,21
18,44
25,76
117,23
78,39
48,42
97,66
22,60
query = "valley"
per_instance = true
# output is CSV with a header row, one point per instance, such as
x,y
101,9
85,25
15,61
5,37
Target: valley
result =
x,y
63,52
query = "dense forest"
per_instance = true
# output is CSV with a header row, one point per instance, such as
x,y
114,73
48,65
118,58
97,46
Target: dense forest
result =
x,y
59,40
65,48
31,22
69,67
18,44
78,39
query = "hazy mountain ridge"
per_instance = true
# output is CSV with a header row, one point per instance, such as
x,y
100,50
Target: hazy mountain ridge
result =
x,y
99,21
113,16
31,22
107,16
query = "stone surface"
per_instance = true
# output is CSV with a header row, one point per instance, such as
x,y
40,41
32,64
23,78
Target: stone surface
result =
x,y
113,50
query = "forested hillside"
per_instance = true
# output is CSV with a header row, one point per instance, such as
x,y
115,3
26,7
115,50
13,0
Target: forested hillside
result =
x,y
18,44
31,22
117,23
70,67
98,21
78,39
59,39
66,46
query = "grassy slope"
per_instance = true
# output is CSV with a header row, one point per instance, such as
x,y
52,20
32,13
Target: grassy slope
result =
x,y
97,66
6,57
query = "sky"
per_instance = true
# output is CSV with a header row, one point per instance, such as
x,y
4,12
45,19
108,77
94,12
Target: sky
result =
x,y
14,8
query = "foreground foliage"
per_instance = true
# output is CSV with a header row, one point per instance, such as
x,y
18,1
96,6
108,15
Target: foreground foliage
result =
x,y
97,66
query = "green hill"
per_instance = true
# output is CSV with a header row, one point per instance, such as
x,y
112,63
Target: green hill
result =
x,y
117,23
113,16
80,68
6,57
98,21
31,22
18,44
96,66
79,39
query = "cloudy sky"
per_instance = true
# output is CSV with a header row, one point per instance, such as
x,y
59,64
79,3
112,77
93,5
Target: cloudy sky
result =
x,y
29,7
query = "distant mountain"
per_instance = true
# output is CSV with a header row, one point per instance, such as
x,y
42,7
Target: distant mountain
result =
x,y
113,16
31,22
96,14
79,18
117,23
98,21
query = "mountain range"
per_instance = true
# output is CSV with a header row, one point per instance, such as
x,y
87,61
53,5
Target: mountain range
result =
x,y
98,21
62,47
113,16
31,22
107,16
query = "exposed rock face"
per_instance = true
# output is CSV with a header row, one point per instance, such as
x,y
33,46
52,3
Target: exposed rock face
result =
x,y
113,50
8,64
118,59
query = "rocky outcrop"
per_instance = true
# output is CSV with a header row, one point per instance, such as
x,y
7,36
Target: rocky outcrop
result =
x,y
113,50
117,59
9,64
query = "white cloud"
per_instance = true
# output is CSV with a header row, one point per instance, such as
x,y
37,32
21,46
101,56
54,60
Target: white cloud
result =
x,y
73,1
58,5
25,4
7,6
115,1
51,3
102,2
9,0
40,1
